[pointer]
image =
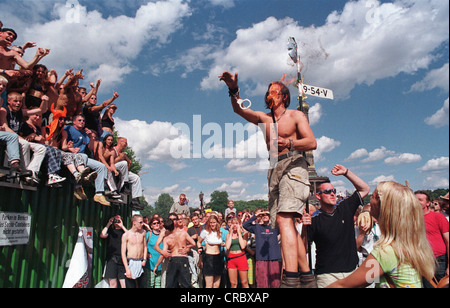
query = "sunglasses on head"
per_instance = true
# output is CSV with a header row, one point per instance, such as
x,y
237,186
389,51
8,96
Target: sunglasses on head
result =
x,y
327,191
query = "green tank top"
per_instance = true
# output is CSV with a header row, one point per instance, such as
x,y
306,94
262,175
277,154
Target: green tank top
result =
x,y
235,245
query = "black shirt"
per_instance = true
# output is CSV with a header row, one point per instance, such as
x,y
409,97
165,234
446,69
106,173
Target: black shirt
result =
x,y
334,235
114,242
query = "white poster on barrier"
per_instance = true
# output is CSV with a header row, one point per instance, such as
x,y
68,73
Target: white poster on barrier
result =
x,y
14,228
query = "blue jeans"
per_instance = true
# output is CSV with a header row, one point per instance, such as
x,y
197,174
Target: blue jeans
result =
x,y
12,145
102,172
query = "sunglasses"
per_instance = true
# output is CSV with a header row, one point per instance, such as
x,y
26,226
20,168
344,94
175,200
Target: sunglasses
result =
x,y
327,191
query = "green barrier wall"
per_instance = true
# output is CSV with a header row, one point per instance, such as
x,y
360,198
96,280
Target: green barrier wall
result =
x,y
56,216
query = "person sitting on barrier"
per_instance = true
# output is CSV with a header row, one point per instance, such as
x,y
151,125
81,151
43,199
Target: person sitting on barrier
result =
x,y
12,119
13,151
133,179
32,132
98,153
77,134
74,162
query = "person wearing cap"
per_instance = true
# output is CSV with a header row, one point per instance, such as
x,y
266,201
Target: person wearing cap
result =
x,y
437,228
268,252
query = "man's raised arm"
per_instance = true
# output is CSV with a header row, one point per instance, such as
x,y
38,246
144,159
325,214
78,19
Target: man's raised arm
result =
x,y
233,88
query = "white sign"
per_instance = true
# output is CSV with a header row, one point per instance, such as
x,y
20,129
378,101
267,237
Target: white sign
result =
x,y
318,91
14,228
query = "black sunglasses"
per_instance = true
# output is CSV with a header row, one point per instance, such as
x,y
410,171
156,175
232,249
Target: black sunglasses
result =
x,y
327,191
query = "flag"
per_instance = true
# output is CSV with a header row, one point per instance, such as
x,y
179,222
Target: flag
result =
x,y
78,276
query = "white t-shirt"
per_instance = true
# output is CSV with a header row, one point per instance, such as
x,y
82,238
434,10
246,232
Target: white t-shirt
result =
x,y
211,238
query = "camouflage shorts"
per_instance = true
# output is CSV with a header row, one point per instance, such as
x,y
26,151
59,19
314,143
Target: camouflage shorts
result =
x,y
289,187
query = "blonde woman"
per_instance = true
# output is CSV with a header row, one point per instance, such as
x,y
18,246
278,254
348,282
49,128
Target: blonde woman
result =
x,y
402,255
212,259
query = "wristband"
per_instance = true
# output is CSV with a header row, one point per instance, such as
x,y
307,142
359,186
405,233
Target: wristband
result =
x,y
233,92
291,145
345,174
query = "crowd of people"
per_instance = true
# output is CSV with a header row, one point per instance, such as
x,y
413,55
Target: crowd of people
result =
x,y
398,240
200,250
242,249
50,124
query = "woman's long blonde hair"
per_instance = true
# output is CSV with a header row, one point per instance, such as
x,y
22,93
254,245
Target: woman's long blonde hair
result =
x,y
208,225
402,227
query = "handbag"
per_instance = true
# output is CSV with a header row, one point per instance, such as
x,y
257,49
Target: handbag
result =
x,y
442,284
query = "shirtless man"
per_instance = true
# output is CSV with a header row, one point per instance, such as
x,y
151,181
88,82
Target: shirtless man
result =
x,y
288,178
134,254
178,242
9,58
69,97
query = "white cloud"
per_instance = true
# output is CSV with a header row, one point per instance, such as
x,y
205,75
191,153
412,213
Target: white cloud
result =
x,y
79,38
378,154
438,78
382,178
435,181
247,166
358,45
155,141
325,145
236,187
360,153
440,164
315,113
405,158
236,146
440,118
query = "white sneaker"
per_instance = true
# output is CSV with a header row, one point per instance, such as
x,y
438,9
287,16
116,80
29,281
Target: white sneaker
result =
x,y
54,179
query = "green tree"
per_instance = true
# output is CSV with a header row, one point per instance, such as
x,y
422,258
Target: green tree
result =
x,y
219,200
163,205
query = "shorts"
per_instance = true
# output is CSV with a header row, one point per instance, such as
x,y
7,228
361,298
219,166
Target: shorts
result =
x,y
289,187
114,268
237,261
212,265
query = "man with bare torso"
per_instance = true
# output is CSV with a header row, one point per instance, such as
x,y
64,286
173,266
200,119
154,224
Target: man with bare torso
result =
x,y
9,58
178,242
288,135
134,254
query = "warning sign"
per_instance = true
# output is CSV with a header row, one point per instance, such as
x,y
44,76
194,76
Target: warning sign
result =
x,y
14,228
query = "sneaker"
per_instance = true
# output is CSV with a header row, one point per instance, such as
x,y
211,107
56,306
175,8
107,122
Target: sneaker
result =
x,y
33,179
101,199
115,195
80,176
55,179
91,177
79,194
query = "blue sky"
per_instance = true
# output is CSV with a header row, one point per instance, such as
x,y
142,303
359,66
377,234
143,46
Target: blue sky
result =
x,y
386,61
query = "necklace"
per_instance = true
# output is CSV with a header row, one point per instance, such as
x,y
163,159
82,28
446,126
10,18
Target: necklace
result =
x,y
281,115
